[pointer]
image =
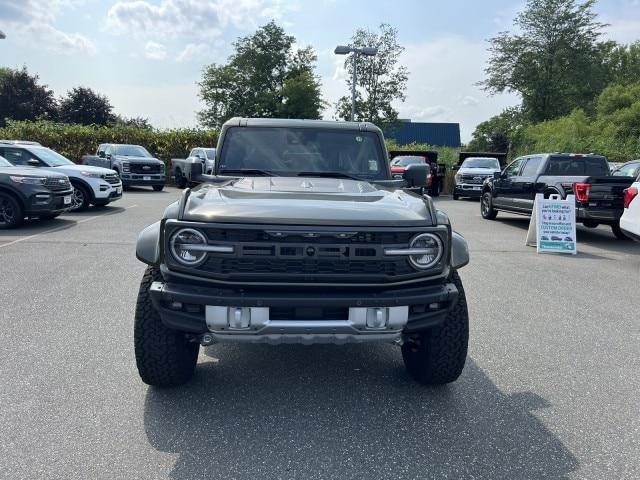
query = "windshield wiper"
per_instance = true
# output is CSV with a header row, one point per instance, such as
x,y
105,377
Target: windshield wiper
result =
x,y
328,175
247,171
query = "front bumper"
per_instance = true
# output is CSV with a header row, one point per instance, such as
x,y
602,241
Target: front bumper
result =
x,y
224,313
135,179
107,191
468,190
42,201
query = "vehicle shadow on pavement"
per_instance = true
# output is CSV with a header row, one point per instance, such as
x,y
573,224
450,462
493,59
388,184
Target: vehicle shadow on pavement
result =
x,y
346,412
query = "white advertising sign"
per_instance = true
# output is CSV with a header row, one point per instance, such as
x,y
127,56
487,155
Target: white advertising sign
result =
x,y
555,224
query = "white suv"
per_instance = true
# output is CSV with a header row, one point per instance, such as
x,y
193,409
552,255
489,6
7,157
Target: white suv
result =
x,y
630,220
91,185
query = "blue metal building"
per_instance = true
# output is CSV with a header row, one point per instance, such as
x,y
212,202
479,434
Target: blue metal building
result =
x,y
440,134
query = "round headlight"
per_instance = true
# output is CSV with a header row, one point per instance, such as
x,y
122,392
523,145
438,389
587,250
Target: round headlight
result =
x,y
187,246
430,247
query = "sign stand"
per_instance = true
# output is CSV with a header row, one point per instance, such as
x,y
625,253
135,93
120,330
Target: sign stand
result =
x,y
552,228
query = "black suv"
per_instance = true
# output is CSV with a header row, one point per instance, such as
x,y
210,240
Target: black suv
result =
x,y
27,192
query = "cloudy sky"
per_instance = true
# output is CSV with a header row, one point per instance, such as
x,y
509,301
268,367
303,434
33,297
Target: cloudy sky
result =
x,y
147,55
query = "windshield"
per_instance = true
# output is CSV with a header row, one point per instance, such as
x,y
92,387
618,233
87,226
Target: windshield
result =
x,y
289,151
51,158
210,153
481,163
4,163
405,161
132,151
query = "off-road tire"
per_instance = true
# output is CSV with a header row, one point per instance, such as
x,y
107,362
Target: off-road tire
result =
x,y
181,181
164,357
11,213
437,356
617,231
158,188
435,190
486,207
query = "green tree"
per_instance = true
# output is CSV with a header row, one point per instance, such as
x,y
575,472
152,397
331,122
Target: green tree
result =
x,y
23,98
265,77
494,135
623,64
381,79
556,61
137,122
85,107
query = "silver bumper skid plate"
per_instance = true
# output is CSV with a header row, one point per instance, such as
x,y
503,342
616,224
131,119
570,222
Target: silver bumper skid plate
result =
x,y
254,325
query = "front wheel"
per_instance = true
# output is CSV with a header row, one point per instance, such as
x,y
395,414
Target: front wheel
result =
x,y
486,207
181,181
164,357
11,214
80,199
158,188
437,356
617,231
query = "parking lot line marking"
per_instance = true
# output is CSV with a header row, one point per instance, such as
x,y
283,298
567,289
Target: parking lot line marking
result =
x,y
61,228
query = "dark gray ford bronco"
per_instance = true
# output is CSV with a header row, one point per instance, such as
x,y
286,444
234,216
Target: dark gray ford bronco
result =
x,y
302,236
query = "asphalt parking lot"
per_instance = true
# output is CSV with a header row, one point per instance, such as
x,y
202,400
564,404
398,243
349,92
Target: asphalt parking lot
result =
x,y
550,390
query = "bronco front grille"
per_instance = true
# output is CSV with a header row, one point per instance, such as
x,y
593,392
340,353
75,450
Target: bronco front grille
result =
x,y
57,184
294,255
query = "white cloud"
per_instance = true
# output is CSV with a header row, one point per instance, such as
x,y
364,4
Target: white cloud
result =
x,y
32,23
155,51
194,51
623,30
189,17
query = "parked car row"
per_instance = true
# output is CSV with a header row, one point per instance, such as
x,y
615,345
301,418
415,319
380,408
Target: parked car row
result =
x,y
37,182
601,196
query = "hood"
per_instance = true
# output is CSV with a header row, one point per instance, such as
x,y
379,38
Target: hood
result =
x,y
83,168
123,158
31,172
306,201
478,171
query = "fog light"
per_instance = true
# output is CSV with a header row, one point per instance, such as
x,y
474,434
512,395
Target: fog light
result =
x,y
176,305
377,317
238,318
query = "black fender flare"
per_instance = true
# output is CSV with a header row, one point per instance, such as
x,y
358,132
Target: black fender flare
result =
x,y
554,190
16,194
148,245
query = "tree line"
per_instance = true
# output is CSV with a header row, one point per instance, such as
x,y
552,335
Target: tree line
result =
x,y
266,75
578,90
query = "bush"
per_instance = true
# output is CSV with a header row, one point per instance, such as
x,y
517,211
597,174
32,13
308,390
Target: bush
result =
x,y
613,131
73,141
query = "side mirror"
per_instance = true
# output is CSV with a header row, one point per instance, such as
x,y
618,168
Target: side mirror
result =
x,y
417,175
101,153
497,175
108,156
196,171
455,168
32,162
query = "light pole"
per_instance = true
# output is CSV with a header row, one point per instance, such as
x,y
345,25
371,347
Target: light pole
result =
x,y
345,50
